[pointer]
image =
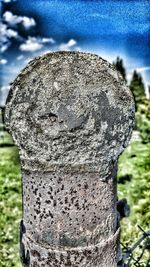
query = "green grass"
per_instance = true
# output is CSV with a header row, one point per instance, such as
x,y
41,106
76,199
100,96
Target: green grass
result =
x,y
5,138
133,184
10,207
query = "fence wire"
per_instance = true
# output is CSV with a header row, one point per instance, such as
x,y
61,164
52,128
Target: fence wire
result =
x,y
143,243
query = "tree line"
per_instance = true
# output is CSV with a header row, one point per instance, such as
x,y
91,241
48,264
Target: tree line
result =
x,y
142,103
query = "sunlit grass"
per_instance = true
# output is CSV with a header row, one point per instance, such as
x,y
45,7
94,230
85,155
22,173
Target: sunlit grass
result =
x,y
10,207
135,164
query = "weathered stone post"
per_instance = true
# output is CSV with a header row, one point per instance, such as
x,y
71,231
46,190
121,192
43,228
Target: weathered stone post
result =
x,y
71,115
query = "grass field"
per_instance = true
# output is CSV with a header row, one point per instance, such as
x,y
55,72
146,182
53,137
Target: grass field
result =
x,y
10,207
133,184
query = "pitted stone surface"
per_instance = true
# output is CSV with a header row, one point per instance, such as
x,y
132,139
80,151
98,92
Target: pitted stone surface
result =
x,y
71,210
70,111
100,255
71,115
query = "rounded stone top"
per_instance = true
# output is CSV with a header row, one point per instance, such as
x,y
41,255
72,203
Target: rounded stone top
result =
x,y
70,111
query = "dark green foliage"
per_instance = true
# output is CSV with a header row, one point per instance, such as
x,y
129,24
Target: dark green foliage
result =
x,y
120,67
122,179
147,243
137,88
142,106
143,125
5,137
143,120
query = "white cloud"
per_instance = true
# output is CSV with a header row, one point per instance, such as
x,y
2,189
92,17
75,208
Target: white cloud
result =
x,y
8,1
6,32
143,69
47,51
28,22
12,20
4,88
3,48
78,49
68,46
5,35
11,33
48,40
27,60
129,75
20,57
31,45
3,61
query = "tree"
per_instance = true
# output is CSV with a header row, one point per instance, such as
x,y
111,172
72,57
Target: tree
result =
x,y
138,89
120,67
142,107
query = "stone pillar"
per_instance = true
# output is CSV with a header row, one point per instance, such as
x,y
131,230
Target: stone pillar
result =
x,y
71,115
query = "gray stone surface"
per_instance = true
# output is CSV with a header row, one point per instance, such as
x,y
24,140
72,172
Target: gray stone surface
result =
x,y
71,115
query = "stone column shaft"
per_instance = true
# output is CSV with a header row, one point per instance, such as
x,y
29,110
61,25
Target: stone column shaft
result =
x,y
71,115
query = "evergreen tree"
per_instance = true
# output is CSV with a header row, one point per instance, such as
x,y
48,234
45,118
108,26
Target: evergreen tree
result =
x,y
120,67
137,88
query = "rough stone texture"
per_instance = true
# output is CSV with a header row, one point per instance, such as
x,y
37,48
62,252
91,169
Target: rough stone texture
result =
x,y
71,115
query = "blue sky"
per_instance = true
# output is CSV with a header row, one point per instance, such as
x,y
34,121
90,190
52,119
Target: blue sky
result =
x,y
109,28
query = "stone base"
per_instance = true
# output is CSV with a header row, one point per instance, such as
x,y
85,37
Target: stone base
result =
x,y
104,254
